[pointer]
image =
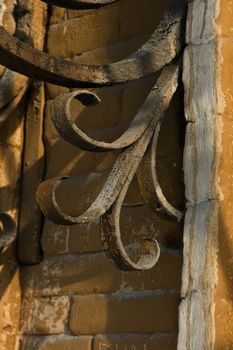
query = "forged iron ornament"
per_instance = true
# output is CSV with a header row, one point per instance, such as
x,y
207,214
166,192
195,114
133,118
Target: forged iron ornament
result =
x,y
163,46
108,203
7,230
138,143
77,4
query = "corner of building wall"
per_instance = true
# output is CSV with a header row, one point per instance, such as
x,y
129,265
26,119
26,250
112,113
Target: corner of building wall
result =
x,y
201,166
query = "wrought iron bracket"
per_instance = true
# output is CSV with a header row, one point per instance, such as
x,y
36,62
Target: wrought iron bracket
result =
x,y
8,230
159,56
79,4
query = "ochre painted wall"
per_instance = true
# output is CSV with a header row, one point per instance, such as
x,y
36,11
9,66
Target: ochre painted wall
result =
x,y
224,296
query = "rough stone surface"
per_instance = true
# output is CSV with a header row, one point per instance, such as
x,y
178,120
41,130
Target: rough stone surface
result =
x,y
201,161
135,342
45,315
130,313
62,342
94,273
95,29
10,300
136,221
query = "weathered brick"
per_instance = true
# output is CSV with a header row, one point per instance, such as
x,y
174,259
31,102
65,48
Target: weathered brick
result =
x,y
135,342
58,14
109,110
86,189
76,162
45,315
144,17
94,273
102,55
59,240
10,302
85,31
76,194
111,53
170,177
171,136
137,222
79,13
141,221
72,274
8,20
63,342
129,313
158,278
85,238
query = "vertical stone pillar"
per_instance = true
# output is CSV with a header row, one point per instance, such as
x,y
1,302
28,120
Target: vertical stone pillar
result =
x,y
206,317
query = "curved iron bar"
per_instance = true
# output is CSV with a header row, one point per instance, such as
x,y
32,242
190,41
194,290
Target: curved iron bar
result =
x,y
108,203
8,229
138,143
66,127
149,183
77,4
163,46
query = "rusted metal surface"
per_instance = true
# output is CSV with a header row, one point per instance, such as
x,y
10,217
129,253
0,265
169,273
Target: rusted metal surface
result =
x,y
108,203
164,45
137,144
77,4
7,230
149,184
67,128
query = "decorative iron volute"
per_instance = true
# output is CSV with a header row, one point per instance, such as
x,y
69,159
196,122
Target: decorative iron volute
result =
x,y
158,56
7,230
79,4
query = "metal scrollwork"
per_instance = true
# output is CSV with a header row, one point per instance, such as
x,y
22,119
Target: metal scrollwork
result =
x,y
7,230
77,4
135,144
160,56
163,46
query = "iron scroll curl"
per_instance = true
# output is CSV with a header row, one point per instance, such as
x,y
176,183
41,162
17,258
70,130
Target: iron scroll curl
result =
x,y
107,205
8,230
162,48
158,56
77,4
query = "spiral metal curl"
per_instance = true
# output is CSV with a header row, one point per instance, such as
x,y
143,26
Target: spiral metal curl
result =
x,y
137,144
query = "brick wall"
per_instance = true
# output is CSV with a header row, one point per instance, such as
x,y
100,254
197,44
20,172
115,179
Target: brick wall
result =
x,y
75,298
